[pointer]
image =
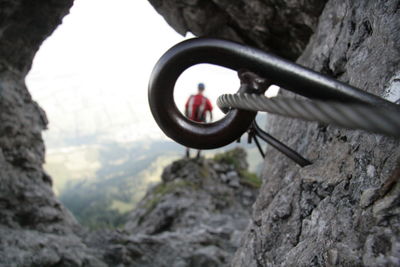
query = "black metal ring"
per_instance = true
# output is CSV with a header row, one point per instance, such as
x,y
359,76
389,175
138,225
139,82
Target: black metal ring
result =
x,y
228,54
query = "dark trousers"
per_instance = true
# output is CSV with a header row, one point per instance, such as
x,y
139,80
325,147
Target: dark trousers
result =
x,y
188,153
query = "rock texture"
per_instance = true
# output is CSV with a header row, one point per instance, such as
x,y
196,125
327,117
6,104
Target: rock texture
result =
x,y
195,217
341,211
344,209
35,229
282,27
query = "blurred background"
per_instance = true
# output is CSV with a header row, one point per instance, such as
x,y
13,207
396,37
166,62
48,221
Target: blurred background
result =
x,y
103,147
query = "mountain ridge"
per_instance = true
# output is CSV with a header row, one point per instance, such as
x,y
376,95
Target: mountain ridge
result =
x,y
193,217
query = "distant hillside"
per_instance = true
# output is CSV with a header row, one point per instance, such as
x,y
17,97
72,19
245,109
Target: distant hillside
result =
x,y
101,196
100,184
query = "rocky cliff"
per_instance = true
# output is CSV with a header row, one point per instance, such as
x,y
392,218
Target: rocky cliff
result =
x,y
282,27
343,210
195,217
35,229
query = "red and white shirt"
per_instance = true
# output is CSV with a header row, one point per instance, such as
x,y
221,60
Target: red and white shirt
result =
x,y
197,106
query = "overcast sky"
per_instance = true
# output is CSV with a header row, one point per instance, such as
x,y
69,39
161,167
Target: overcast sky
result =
x,y
91,75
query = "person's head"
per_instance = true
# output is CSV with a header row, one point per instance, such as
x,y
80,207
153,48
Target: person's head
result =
x,y
201,87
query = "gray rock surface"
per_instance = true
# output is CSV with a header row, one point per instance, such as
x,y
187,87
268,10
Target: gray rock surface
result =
x,y
279,26
341,211
35,229
192,218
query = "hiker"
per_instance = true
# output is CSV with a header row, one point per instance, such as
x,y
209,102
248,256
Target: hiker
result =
x,y
196,108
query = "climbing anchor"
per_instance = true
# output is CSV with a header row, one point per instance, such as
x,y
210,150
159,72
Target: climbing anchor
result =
x,y
278,71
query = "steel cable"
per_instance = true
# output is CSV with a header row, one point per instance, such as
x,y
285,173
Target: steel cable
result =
x,y
366,117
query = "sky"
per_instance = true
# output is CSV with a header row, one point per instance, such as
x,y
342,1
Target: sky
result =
x,y
91,75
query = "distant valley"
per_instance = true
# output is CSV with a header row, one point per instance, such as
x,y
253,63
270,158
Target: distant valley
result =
x,y
100,184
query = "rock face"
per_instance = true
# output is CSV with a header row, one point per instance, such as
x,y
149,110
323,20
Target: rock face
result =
x,y
35,229
282,27
195,217
343,210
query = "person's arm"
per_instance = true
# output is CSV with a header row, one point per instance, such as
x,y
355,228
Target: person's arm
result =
x,y
187,107
209,107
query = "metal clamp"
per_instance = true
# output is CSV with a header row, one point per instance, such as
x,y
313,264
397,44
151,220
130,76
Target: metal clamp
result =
x,y
255,131
235,56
